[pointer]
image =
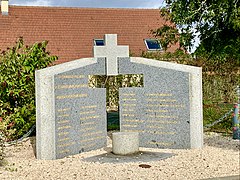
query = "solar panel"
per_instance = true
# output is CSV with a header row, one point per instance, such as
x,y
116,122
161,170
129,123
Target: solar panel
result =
x,y
153,44
98,42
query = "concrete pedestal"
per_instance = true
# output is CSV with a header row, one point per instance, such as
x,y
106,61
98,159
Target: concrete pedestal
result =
x,y
124,143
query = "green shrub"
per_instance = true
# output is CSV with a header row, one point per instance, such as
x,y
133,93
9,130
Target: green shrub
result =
x,y
17,83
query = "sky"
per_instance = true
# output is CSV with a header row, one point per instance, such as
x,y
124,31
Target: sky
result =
x,y
91,3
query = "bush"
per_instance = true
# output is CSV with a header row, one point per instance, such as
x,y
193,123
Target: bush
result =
x,y
17,83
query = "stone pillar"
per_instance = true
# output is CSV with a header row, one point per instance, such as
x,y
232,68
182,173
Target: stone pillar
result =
x,y
4,7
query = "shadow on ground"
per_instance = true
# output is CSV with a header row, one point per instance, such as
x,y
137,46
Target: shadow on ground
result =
x,y
141,156
223,142
237,177
33,143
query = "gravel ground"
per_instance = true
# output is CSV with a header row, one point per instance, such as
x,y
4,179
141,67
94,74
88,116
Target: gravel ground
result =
x,y
218,158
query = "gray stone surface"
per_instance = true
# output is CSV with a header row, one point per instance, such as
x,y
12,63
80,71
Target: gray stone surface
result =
x,y
71,117
161,111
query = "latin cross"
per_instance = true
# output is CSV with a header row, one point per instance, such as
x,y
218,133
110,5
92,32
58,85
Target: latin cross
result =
x,y
111,51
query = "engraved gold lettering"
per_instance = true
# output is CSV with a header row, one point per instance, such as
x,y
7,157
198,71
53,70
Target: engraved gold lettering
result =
x,y
167,117
63,122
164,122
162,100
128,130
93,133
64,151
125,94
87,112
88,107
89,123
87,129
72,86
127,110
149,110
159,94
129,115
166,105
129,105
65,139
129,99
89,117
64,127
129,125
155,127
65,145
62,110
63,115
133,120
63,133
168,133
72,96
71,76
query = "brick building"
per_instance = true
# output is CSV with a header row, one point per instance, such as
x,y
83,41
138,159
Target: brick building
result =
x,y
71,32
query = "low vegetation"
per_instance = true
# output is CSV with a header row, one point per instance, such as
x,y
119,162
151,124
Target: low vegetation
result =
x,y
17,87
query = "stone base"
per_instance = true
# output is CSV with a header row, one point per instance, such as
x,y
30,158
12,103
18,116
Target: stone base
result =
x,y
124,143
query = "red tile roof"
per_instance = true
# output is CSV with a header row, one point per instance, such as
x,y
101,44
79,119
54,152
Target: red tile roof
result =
x,y
70,31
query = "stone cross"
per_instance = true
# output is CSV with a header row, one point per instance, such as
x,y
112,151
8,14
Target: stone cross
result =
x,y
111,51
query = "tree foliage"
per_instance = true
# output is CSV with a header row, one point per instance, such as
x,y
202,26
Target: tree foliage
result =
x,y
216,21
17,83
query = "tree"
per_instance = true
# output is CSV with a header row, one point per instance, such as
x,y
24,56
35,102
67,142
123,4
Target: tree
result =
x,y
216,21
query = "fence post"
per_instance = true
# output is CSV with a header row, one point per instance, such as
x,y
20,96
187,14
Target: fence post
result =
x,y
238,94
236,123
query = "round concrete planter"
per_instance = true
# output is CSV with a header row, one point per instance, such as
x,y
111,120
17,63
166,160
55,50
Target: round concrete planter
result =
x,y
124,143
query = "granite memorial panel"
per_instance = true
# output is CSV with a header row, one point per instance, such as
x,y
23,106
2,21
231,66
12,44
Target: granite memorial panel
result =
x,y
79,112
160,111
